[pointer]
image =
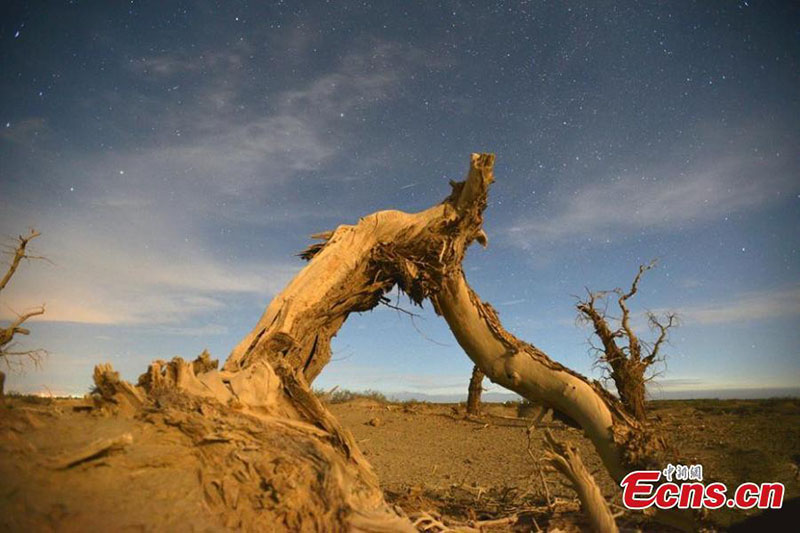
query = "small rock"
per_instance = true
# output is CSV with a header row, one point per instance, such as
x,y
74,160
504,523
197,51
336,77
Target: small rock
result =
x,y
375,422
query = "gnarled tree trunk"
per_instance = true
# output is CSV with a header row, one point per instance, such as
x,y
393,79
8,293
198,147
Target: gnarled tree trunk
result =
x,y
309,474
422,253
267,377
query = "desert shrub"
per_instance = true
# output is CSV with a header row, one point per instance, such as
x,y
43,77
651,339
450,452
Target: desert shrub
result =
x,y
345,395
341,396
373,395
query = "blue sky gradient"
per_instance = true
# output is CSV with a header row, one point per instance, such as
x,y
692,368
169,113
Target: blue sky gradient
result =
x,y
177,156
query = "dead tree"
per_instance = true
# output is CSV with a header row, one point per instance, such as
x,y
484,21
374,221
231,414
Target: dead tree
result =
x,y
474,391
310,464
627,358
16,359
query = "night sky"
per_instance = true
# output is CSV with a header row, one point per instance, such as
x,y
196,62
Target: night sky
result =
x,y
176,157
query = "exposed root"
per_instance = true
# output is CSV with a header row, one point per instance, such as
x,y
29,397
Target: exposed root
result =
x,y
259,465
566,459
538,463
429,521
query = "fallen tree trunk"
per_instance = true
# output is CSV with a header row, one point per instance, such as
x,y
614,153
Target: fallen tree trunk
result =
x,y
622,443
526,370
422,254
262,397
355,266
272,452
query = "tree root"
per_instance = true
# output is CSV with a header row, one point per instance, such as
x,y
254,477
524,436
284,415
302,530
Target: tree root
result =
x,y
259,465
566,459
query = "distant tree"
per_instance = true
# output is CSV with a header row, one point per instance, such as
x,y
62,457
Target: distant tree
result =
x,y
474,391
626,357
16,359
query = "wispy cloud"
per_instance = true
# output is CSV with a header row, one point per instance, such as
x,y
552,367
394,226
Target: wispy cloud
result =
x,y
515,301
170,64
104,283
201,331
673,384
132,232
750,306
661,199
210,144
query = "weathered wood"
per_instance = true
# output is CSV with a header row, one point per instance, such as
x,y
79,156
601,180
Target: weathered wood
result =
x,y
264,387
356,265
261,399
474,391
20,253
422,253
565,458
528,371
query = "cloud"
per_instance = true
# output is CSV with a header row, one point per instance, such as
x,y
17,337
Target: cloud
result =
x,y
359,377
201,331
669,384
515,301
103,283
662,199
203,141
747,307
166,65
138,235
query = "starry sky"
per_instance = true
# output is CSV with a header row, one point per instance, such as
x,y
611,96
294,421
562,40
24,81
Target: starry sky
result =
x,y
177,155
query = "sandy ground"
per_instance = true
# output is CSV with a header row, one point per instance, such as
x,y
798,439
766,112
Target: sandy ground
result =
x,y
426,449
428,457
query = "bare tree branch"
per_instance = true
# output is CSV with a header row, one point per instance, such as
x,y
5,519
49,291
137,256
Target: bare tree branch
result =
x,y
7,334
16,360
633,340
672,321
19,255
